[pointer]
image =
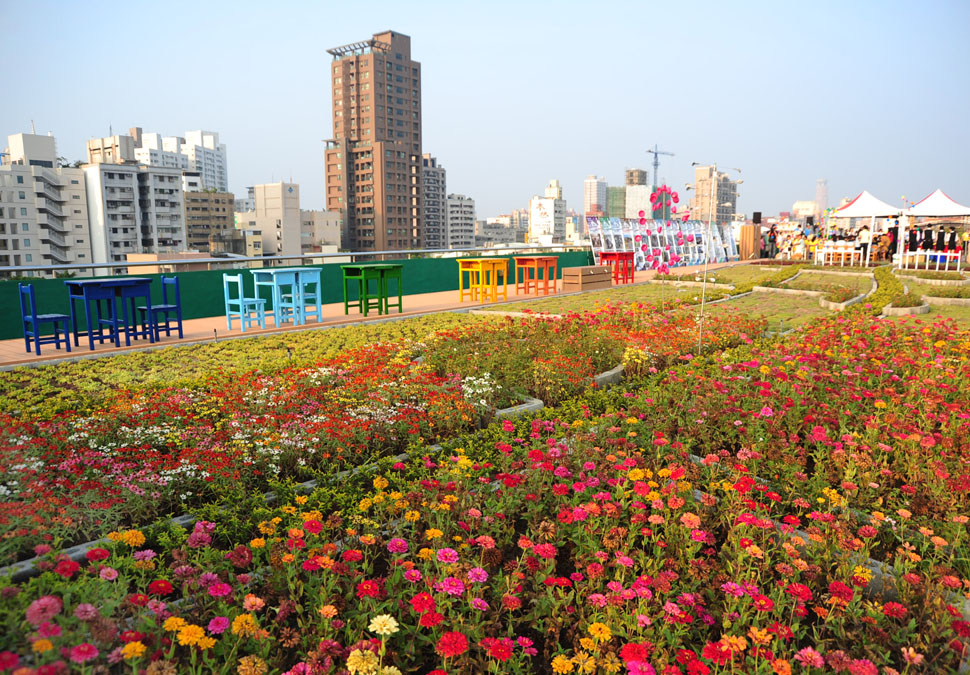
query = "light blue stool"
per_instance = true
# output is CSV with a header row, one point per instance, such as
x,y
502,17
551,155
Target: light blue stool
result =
x,y
310,292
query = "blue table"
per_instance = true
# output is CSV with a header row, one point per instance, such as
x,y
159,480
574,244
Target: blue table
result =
x,y
127,290
275,278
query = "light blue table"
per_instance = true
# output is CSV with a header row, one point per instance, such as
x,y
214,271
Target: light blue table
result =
x,y
297,278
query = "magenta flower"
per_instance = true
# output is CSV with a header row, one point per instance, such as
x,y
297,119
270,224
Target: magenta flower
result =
x,y
448,555
479,604
220,590
43,609
477,575
766,412
451,586
414,576
48,630
218,625
397,545
84,652
86,612
809,658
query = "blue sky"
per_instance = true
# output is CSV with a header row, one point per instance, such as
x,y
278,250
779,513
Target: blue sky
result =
x,y
870,95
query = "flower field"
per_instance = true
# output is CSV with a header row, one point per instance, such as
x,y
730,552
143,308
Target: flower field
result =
x,y
788,506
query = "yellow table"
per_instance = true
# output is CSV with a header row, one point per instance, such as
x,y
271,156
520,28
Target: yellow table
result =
x,y
483,279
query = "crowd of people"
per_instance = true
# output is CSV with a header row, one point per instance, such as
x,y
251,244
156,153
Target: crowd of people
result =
x,y
802,243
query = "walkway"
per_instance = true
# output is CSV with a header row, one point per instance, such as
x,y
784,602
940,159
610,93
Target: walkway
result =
x,y
12,352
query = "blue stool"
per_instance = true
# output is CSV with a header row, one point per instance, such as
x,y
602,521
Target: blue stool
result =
x,y
165,308
242,306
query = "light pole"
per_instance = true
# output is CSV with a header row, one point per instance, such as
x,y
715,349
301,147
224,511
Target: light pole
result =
x,y
707,249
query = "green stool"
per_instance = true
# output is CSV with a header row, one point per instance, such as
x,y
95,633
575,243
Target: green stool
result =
x,y
364,275
392,272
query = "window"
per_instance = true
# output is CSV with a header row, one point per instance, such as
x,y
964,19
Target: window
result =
x,y
75,196
23,212
81,255
26,243
28,257
24,227
22,195
73,182
20,180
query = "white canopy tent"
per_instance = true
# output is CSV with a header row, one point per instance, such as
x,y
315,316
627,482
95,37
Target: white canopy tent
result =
x,y
865,205
936,204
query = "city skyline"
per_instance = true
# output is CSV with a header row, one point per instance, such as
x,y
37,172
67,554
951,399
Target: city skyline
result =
x,y
787,95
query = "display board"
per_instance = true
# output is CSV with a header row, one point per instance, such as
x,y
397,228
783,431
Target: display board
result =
x,y
661,243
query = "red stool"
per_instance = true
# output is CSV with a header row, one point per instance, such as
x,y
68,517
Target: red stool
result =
x,y
622,262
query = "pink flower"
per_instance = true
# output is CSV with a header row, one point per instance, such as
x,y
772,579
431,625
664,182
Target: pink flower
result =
x,y
547,551
508,425
477,575
414,576
397,545
766,412
43,609
48,630
451,586
84,652
218,625
479,604
86,612
108,573
448,555
808,657
220,590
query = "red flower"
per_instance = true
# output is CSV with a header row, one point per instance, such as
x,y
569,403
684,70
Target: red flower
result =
x,y
160,587
313,526
697,668
511,602
138,599
430,619
96,554
894,610
799,591
423,602
240,556
499,649
132,636
452,644
8,660
715,651
547,551
369,589
352,555
841,591
634,651
763,603
66,568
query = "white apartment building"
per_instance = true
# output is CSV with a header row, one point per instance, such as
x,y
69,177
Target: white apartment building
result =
x,y
320,231
156,150
278,218
134,209
207,156
434,202
547,215
43,212
638,199
461,221
594,195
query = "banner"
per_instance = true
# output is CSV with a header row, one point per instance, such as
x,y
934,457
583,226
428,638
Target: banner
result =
x,y
658,243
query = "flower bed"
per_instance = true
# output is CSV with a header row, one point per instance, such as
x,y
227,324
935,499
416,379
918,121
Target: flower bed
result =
x,y
586,540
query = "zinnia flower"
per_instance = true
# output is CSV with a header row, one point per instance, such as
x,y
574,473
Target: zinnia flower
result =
x,y
383,625
452,644
84,652
44,609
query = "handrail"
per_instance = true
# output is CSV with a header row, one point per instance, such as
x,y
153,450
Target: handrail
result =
x,y
272,259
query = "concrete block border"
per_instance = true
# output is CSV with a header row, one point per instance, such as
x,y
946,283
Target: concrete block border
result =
x,y
788,291
889,310
958,302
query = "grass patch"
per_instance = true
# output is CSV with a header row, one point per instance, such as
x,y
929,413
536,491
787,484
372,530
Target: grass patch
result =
x,y
785,311
808,281
932,274
643,293
961,315
939,291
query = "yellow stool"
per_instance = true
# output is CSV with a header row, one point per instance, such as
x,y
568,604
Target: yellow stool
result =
x,y
483,279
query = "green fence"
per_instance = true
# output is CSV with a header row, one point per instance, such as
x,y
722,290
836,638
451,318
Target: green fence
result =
x,y
202,294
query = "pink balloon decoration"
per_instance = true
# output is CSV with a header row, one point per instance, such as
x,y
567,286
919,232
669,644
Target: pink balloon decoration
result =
x,y
676,198
643,221
649,232
690,237
644,248
636,238
673,210
685,218
642,213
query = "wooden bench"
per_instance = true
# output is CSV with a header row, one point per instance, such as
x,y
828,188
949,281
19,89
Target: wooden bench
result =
x,y
587,278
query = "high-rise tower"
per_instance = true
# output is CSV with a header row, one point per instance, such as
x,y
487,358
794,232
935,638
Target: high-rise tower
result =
x,y
373,161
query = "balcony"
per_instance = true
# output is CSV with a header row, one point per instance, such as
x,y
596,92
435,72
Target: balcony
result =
x,y
43,189
53,237
50,207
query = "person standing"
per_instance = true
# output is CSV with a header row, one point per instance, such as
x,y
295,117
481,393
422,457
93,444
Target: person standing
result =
x,y
865,238
773,241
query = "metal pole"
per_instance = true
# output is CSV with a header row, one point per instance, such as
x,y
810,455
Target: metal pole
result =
x,y
707,258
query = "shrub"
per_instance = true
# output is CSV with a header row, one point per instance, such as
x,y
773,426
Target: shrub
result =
x,y
908,300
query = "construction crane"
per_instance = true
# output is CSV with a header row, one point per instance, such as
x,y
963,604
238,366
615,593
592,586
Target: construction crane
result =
x,y
656,162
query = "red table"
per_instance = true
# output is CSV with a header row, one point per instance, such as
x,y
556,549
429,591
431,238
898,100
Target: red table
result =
x,y
622,262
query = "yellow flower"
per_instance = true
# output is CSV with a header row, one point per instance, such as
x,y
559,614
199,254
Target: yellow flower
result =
x,y
380,483
390,670
42,645
587,644
268,528
880,404
426,554
735,643
433,533
206,643
133,650
364,504
561,664
759,636
173,624
289,510
383,625
636,474
362,661
257,543
190,634
411,516
600,631
611,663
133,538
245,625
300,499
251,665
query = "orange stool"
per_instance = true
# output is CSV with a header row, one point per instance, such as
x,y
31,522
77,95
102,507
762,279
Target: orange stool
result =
x,y
536,271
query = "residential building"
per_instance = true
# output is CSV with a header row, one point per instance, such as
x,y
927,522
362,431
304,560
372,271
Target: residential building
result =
x,y
133,209
547,215
277,217
157,150
374,160
637,198
636,177
725,195
111,150
320,230
43,207
594,196
249,203
245,242
802,209
434,204
206,214
616,202
192,182
498,231
207,156
461,221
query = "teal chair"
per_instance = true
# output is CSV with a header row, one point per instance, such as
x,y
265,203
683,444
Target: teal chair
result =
x,y
237,304
310,293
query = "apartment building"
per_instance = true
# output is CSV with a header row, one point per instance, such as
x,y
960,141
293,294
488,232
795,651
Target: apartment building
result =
x,y
547,215
434,204
374,160
320,230
207,214
724,197
594,196
277,217
461,221
43,208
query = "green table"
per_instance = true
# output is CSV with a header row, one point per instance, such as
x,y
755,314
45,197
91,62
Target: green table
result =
x,y
380,274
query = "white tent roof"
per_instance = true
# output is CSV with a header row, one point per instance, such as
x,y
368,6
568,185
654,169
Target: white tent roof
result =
x,y
938,204
866,206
